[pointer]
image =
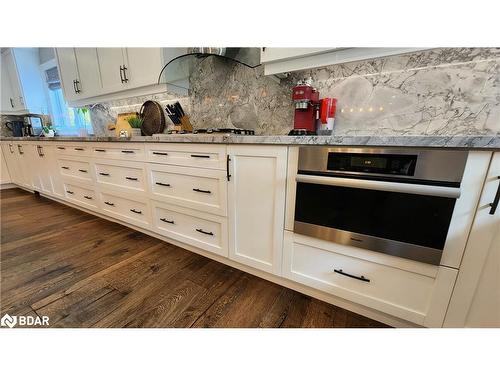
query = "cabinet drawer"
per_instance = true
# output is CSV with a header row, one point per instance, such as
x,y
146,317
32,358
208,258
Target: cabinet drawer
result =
x,y
401,293
74,168
206,231
80,195
72,149
201,189
130,151
130,177
132,211
200,155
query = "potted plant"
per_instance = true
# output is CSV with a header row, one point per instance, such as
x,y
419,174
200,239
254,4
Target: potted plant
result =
x,y
48,131
135,123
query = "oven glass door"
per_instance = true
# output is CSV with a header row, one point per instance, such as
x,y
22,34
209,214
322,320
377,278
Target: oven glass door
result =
x,y
410,218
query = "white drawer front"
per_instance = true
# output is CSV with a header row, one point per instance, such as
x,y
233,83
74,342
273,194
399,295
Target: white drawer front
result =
x,y
391,290
131,211
77,169
80,195
132,178
202,230
199,155
73,149
196,188
130,151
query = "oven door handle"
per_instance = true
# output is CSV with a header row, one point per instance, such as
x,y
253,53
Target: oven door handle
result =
x,y
397,187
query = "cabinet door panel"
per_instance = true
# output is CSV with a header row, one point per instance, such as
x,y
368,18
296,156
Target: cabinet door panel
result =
x,y
257,205
68,71
110,61
88,71
7,93
143,66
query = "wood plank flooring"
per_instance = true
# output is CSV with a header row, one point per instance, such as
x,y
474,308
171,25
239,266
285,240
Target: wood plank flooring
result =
x,y
83,271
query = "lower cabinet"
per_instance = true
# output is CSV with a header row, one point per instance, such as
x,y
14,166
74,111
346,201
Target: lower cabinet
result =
x,y
420,298
203,230
81,195
131,210
256,201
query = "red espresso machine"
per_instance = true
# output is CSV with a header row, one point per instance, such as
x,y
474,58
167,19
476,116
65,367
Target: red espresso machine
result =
x,y
306,101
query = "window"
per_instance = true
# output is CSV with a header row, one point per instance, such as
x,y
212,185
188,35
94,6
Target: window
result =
x,y
65,120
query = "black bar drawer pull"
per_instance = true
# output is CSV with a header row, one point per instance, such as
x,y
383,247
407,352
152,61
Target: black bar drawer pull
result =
x,y
65,167
160,153
361,278
131,178
494,205
109,203
103,174
202,191
135,211
167,221
69,192
200,156
20,149
61,148
87,197
202,231
162,184
82,170
10,148
79,149
228,175
128,152
99,150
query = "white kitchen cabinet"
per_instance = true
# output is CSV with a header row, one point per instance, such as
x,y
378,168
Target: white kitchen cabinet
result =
x,y
79,71
143,65
111,62
282,60
256,200
476,298
42,168
12,99
4,169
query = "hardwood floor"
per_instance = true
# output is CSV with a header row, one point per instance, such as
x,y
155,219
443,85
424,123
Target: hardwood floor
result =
x,y
83,271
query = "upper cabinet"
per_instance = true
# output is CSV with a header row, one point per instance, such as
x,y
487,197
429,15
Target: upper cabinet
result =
x,y
97,74
22,88
283,60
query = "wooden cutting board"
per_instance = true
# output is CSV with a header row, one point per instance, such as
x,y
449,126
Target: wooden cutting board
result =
x,y
122,122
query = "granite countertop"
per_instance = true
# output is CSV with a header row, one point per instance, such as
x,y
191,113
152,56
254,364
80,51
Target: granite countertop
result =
x,y
461,142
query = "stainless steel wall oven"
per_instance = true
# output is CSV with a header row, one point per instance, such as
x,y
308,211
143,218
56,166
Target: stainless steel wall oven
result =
x,y
394,201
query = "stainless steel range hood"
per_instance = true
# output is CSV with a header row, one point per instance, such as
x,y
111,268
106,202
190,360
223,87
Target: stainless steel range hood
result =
x,y
178,69
246,56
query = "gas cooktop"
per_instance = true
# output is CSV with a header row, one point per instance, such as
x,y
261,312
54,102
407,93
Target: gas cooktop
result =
x,y
212,131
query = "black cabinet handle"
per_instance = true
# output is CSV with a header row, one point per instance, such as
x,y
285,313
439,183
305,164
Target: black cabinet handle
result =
x,y
11,102
99,150
69,192
87,197
65,167
121,75
494,205
79,149
135,211
125,79
131,178
82,170
77,82
109,203
202,191
103,174
11,148
40,151
162,184
160,153
167,221
228,159
201,156
361,278
61,148
74,86
20,149
128,152
202,231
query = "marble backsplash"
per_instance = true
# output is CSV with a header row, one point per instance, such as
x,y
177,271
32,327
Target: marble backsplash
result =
x,y
444,91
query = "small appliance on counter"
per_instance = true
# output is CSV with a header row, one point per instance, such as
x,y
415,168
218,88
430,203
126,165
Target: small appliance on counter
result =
x,y
328,107
306,101
16,127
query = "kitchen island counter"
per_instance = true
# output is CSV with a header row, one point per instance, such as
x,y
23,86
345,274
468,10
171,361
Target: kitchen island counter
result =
x,y
457,142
